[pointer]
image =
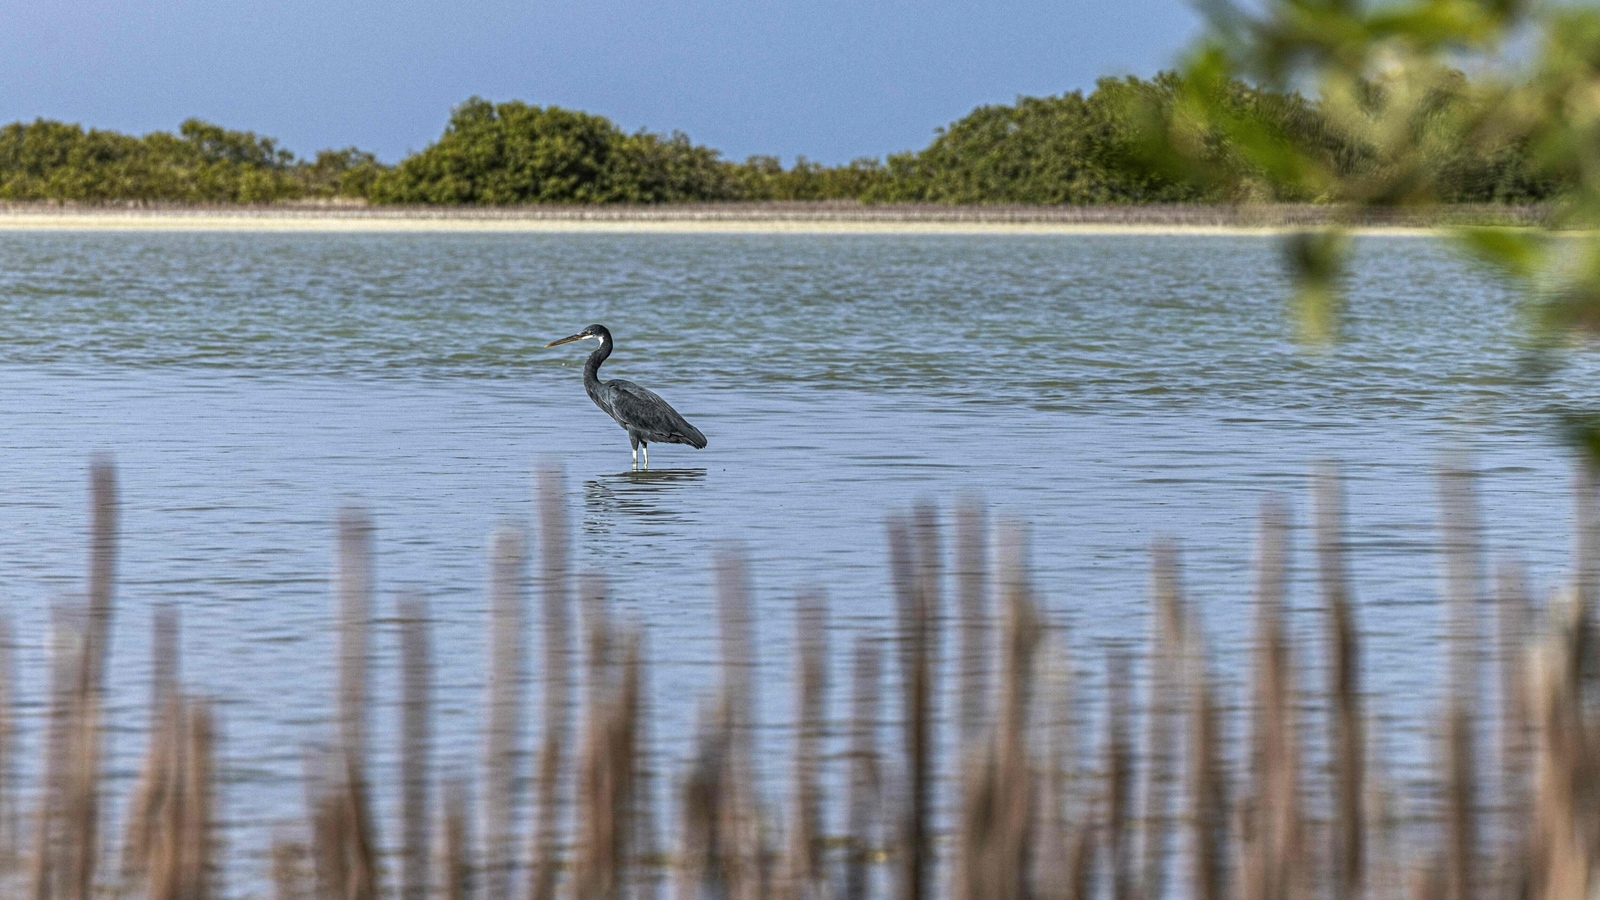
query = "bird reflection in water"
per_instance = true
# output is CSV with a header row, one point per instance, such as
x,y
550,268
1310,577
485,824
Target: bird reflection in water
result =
x,y
628,500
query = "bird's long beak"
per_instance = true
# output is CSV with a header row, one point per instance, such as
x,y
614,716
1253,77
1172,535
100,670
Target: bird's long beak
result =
x,y
565,340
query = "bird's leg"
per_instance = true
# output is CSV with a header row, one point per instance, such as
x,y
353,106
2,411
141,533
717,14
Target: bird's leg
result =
x,y
636,459
647,457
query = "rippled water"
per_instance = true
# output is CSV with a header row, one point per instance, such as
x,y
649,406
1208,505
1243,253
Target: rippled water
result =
x,y
1103,389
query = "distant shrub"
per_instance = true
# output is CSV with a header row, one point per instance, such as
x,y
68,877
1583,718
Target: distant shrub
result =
x,y
765,178
1074,148
202,163
516,153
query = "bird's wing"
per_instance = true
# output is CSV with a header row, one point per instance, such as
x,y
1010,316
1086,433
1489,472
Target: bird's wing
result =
x,y
644,411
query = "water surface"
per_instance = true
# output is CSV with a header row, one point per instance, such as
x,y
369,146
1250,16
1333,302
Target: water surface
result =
x,y
1102,389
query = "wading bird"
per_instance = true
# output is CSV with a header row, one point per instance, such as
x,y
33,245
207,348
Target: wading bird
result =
x,y
646,416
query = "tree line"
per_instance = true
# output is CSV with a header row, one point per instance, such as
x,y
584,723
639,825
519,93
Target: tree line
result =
x,y
1074,148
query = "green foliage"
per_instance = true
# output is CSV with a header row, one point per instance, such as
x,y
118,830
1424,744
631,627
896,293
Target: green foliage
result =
x,y
764,178
347,173
511,153
202,163
1041,150
648,168
515,153
1205,136
1201,136
1396,123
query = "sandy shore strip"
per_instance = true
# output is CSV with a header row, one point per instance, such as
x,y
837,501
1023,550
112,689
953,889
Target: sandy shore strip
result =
x,y
752,218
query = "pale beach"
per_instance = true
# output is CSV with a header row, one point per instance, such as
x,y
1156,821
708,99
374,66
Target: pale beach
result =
x,y
754,218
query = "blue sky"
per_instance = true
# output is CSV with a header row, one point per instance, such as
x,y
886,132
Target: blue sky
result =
x,y
828,79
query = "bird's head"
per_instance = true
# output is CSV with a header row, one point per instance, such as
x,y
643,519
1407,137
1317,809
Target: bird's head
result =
x,y
594,332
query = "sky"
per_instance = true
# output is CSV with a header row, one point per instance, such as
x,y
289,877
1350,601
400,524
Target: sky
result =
x,y
831,80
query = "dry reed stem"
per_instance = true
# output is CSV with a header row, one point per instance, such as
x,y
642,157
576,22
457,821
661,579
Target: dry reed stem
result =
x,y
1165,671
555,603
978,834
1209,796
1382,831
45,863
607,759
354,582
455,844
866,788
1563,855
342,846
142,820
645,865
1054,875
185,861
504,707
328,862
1586,532
290,878
914,565
344,842
80,812
740,827
416,746
1346,731
649,862
802,876
10,818
1460,864
702,864
1080,864
972,603
1118,775
80,788
1010,842
170,848
1009,859
102,570
165,658
1275,861
1459,508
1514,615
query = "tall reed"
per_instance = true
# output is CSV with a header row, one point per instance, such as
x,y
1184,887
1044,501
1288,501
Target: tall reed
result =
x,y
1162,807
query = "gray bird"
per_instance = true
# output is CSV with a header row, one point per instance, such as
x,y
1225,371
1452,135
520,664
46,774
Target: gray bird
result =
x,y
646,416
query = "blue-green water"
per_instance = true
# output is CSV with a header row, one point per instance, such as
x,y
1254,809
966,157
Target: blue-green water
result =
x,y
1103,389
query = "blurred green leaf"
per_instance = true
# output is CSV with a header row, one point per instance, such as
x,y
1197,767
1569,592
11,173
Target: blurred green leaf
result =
x,y
1316,259
1582,432
1517,251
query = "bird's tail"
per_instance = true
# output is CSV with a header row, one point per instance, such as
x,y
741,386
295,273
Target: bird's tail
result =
x,y
693,437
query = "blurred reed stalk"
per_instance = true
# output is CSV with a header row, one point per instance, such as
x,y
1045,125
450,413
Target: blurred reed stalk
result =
x,y
1346,728
555,599
865,785
1164,807
1166,661
10,818
343,844
1276,862
914,567
608,757
416,746
504,705
1459,514
803,875
455,844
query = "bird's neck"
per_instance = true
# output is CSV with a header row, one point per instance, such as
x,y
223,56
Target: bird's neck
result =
x,y
591,368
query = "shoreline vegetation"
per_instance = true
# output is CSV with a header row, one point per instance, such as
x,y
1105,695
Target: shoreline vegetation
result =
x,y
1101,148
963,763
792,216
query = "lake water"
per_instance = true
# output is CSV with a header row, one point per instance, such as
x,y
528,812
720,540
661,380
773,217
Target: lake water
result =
x,y
1103,389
